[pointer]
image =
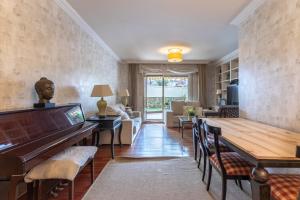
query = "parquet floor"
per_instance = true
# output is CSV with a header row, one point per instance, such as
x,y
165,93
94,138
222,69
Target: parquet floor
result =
x,y
153,140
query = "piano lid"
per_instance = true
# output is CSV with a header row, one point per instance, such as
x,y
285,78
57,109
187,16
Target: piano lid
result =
x,y
24,126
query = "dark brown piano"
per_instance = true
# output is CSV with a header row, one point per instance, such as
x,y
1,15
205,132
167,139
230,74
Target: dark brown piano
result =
x,y
30,136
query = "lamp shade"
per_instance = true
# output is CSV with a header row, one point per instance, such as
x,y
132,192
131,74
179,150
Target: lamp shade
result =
x,y
219,91
175,55
124,93
101,91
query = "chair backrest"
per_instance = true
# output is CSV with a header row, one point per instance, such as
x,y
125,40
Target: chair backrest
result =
x,y
215,132
197,130
229,111
195,126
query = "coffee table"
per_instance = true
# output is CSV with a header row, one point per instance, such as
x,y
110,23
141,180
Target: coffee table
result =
x,y
183,121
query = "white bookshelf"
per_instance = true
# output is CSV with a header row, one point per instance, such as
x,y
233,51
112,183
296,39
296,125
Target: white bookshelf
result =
x,y
226,72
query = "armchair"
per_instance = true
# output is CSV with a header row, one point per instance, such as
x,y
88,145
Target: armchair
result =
x,y
177,109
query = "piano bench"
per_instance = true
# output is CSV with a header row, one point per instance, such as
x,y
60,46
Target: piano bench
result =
x,y
63,166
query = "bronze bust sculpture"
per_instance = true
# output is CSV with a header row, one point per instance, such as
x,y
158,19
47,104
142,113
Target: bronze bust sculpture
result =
x,y
45,90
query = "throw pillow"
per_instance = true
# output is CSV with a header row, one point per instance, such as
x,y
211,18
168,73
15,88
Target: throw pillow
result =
x,y
199,111
124,115
113,110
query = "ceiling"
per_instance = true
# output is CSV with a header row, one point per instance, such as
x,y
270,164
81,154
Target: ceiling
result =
x,y
137,29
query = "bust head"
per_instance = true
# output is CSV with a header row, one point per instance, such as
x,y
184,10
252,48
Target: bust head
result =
x,y
45,90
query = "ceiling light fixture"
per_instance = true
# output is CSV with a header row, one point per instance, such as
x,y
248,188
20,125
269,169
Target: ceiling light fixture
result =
x,y
175,55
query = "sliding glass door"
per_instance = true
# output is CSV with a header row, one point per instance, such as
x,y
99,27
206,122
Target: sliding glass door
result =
x,y
154,97
160,91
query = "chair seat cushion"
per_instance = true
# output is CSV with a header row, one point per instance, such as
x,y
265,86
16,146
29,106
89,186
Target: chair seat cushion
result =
x,y
64,165
284,186
233,164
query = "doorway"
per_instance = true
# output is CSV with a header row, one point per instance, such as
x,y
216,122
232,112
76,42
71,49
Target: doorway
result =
x,y
160,91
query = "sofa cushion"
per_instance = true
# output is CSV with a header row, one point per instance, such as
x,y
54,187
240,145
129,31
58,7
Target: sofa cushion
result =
x,y
193,103
177,106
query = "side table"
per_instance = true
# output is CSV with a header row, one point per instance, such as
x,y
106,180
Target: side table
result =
x,y
107,123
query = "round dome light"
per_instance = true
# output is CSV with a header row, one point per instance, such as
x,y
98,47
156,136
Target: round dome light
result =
x,y
175,55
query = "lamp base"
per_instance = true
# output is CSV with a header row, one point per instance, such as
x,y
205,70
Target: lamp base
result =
x,y
102,105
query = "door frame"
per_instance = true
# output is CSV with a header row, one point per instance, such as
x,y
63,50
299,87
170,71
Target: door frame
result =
x,y
146,101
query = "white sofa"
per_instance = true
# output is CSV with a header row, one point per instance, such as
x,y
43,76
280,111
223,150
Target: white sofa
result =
x,y
177,109
131,125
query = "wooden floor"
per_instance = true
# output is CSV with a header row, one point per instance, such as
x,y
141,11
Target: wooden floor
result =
x,y
153,140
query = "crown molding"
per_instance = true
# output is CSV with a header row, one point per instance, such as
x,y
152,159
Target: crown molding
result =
x,y
247,12
228,57
165,62
64,5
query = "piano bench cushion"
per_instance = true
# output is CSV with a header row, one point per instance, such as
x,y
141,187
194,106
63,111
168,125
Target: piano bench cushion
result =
x,y
64,165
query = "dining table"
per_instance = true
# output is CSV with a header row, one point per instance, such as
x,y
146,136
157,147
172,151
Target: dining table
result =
x,y
263,145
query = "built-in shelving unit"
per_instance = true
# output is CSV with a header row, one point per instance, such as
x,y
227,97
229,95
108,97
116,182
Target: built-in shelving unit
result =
x,y
226,72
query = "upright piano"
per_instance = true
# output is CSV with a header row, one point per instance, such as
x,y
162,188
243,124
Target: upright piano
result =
x,y
30,136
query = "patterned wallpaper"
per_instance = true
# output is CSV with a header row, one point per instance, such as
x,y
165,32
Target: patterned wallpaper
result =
x,y
37,38
270,65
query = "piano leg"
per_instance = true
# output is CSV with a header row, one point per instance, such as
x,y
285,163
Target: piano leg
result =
x,y
14,181
71,190
30,191
92,171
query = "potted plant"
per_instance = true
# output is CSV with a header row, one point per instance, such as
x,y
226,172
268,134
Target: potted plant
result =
x,y
191,112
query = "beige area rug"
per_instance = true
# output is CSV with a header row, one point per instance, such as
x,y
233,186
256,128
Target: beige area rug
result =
x,y
158,179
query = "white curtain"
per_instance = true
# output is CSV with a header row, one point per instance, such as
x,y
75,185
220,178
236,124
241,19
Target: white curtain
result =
x,y
193,87
164,69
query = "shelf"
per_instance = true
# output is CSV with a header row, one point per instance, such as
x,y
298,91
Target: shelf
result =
x,y
225,81
225,72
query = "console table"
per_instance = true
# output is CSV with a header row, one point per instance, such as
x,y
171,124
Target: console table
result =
x,y
107,123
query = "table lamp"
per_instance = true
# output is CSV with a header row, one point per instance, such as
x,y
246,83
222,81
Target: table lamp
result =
x,y
124,94
101,91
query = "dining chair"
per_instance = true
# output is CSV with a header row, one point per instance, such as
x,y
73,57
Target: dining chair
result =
x,y
208,144
196,137
228,164
285,186
197,123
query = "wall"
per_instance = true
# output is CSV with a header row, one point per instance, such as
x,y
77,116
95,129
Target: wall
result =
x,y
270,64
211,85
37,38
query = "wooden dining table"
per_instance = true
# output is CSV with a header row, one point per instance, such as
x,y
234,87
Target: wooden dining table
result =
x,y
263,145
